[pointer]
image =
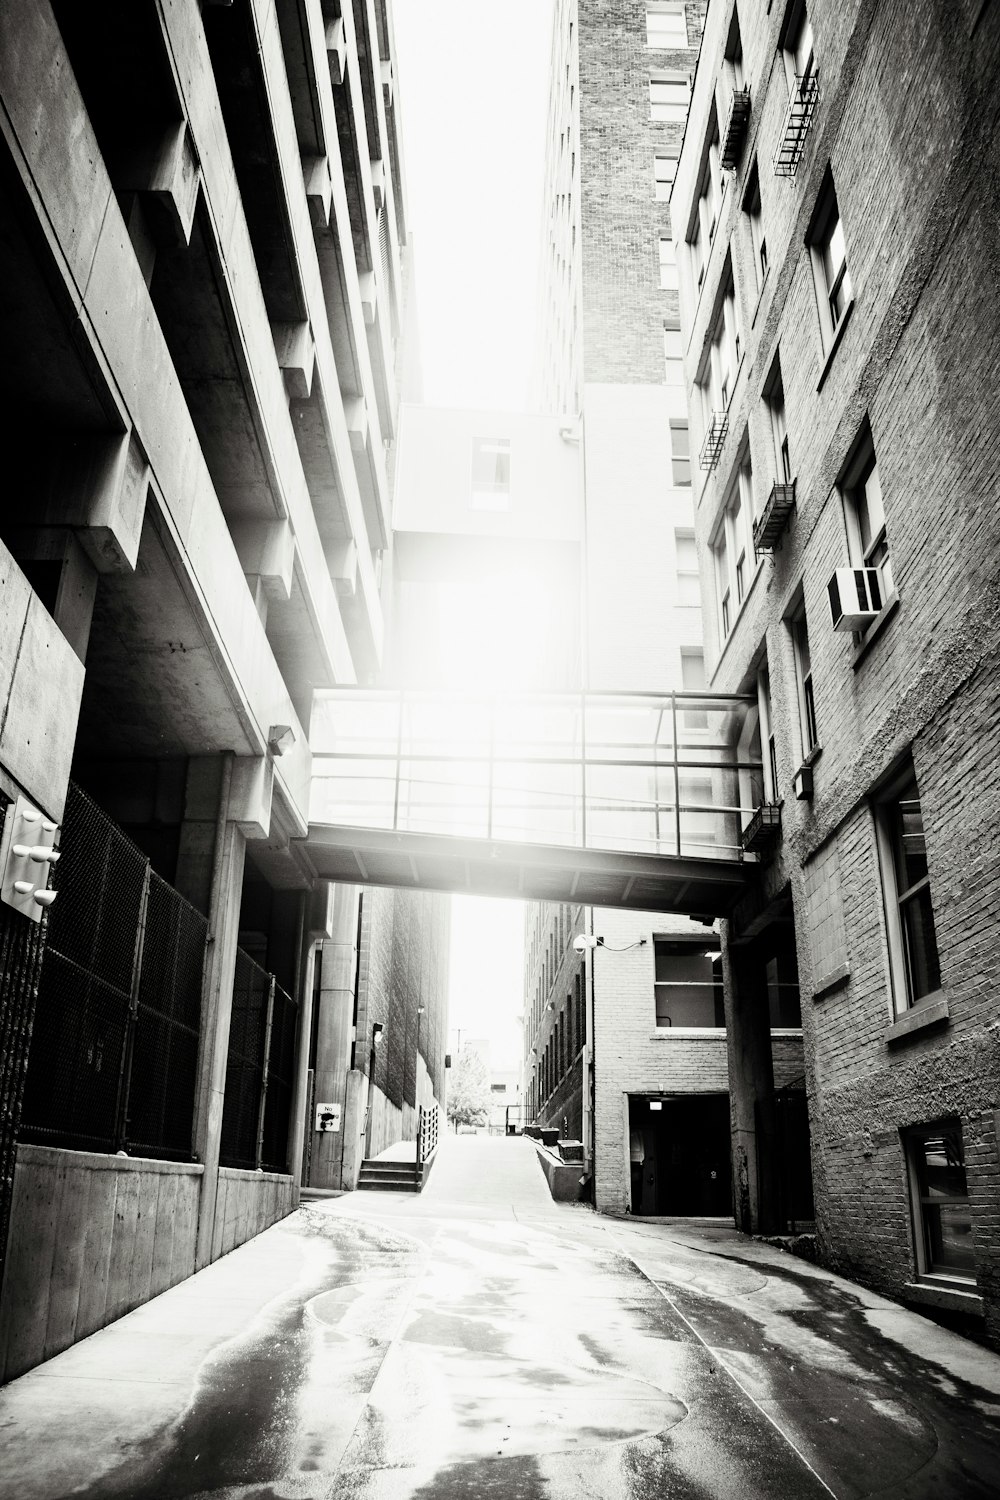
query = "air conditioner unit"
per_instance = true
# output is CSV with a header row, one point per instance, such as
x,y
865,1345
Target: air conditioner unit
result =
x,y
855,597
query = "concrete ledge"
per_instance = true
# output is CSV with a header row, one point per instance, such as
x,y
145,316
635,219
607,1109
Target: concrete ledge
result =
x,y
834,980
943,1296
563,1178
928,1013
101,1161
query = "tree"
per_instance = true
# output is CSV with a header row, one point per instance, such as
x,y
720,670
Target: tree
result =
x,y
469,1091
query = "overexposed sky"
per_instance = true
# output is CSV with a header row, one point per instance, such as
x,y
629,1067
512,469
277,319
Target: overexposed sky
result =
x,y
472,94
487,980
473,91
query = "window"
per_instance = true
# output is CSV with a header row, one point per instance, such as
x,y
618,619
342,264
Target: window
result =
x,y
829,259
668,97
664,172
688,581
758,241
865,516
673,355
734,53
797,47
939,1196
680,451
688,982
490,474
693,681
733,548
666,26
767,734
775,399
724,355
804,682
668,264
913,952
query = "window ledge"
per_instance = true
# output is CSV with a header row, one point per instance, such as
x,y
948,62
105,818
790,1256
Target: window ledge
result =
x,y
875,629
926,1013
835,980
933,1295
708,1033
835,345
786,1031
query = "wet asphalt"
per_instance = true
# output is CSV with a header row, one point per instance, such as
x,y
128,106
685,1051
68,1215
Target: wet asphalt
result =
x,y
482,1343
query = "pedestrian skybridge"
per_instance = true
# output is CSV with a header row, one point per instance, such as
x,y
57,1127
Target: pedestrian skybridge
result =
x,y
610,799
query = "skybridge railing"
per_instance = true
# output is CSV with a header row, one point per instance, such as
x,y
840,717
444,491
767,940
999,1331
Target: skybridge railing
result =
x,y
660,774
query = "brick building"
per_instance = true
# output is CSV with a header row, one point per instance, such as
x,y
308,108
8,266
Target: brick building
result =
x,y
202,272
837,255
652,1064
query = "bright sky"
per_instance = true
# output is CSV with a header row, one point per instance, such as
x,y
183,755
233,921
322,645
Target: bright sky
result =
x,y
487,980
473,87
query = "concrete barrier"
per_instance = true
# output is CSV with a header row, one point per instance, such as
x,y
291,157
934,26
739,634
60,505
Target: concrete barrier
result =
x,y
566,1181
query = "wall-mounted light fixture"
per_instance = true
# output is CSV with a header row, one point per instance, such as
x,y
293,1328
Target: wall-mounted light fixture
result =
x,y
584,941
280,737
377,1030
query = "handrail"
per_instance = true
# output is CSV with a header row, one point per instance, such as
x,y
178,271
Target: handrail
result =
x,y
428,1129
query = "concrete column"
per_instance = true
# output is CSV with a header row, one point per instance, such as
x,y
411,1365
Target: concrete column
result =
x,y
315,926
210,875
334,1035
751,1089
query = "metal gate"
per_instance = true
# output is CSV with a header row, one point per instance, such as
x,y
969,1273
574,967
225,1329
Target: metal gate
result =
x,y
113,1059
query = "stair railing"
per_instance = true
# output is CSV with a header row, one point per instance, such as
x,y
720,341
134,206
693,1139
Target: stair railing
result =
x,y
427,1134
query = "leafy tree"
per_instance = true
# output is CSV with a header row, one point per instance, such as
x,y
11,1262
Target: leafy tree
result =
x,y
469,1090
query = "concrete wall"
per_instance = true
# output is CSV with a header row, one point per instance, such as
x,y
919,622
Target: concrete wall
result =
x,y
94,1236
917,359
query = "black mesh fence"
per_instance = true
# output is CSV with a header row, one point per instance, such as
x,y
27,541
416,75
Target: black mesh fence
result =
x,y
21,946
164,1057
259,1071
280,1072
113,1057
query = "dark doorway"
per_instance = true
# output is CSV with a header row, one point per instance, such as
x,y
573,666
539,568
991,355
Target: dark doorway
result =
x,y
680,1156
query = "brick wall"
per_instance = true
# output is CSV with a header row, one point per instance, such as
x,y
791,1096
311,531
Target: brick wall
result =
x,y
907,124
402,963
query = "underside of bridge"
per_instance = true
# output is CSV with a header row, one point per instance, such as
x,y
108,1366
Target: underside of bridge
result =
x,y
626,800
532,872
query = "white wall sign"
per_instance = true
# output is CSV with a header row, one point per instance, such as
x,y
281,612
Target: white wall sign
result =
x,y
328,1117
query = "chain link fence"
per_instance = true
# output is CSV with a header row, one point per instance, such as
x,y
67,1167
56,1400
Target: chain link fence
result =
x,y
114,1052
259,1071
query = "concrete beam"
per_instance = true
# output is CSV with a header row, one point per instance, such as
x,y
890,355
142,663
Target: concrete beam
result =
x,y
266,550
336,50
41,684
296,354
98,486
166,172
319,189
73,606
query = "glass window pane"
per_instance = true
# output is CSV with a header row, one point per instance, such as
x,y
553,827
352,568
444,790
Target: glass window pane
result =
x,y
940,1160
923,966
949,1238
909,845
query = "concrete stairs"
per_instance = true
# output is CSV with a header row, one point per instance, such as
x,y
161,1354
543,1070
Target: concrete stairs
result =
x,y
381,1176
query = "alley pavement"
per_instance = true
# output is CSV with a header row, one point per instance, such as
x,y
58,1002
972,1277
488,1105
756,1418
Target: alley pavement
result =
x,y
480,1342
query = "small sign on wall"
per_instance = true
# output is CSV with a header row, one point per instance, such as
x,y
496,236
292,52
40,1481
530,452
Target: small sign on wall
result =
x,y
328,1117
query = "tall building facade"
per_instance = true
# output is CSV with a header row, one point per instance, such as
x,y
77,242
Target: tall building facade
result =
x,y
202,266
836,251
647,1075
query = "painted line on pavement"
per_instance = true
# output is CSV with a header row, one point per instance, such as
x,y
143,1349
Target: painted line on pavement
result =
x,y
714,1352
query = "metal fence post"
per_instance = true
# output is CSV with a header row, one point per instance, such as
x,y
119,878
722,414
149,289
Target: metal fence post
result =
x,y
128,1050
262,1110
